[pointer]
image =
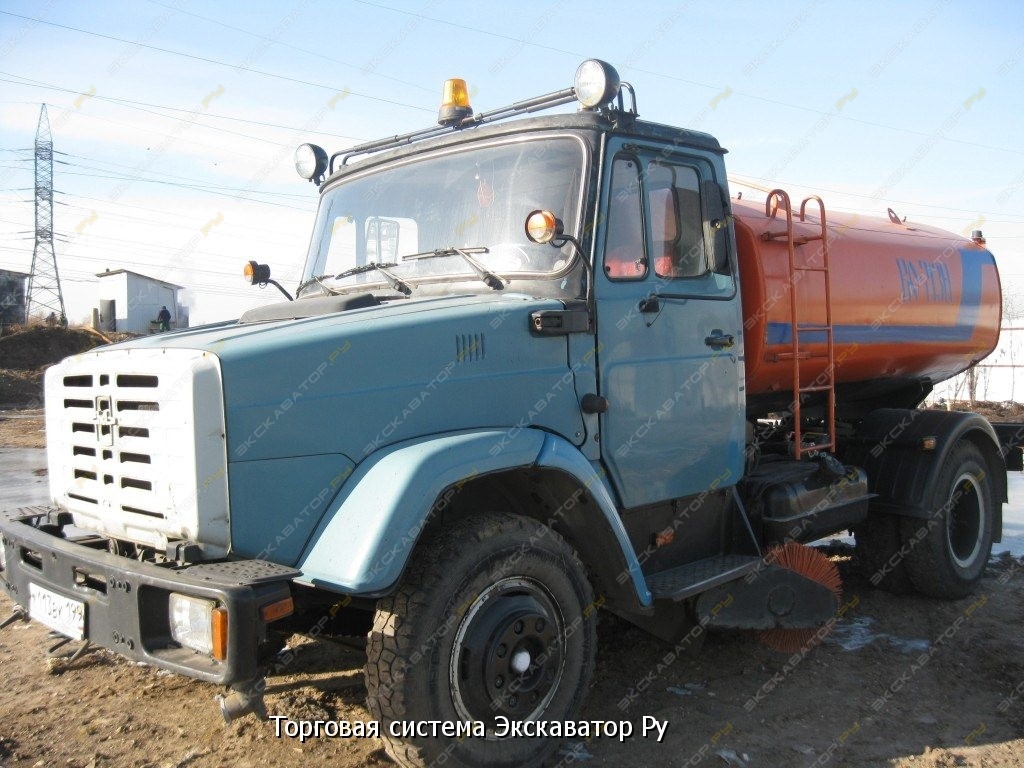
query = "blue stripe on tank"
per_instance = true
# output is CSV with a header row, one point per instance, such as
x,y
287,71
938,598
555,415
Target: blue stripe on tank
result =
x,y
972,262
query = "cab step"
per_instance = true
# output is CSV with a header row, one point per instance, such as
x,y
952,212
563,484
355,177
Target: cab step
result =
x,y
691,579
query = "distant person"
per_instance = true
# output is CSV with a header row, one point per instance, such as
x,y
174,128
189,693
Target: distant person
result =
x,y
164,318
51,319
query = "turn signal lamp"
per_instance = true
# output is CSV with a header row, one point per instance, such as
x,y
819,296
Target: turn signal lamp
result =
x,y
278,610
219,627
256,274
596,83
454,102
542,227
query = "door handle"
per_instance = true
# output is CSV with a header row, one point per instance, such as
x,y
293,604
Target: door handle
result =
x,y
649,304
719,340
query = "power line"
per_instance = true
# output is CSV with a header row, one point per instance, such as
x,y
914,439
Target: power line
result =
x,y
147,129
164,212
283,44
124,103
202,183
194,188
139,106
749,181
194,228
709,86
207,60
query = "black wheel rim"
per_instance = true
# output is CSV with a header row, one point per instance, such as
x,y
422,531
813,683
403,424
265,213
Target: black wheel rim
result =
x,y
965,520
508,654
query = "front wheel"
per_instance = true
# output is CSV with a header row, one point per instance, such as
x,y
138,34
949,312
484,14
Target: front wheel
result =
x,y
493,620
952,547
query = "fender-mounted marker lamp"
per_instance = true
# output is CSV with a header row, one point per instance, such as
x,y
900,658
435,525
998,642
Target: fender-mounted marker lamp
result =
x,y
219,626
454,102
277,610
928,443
542,227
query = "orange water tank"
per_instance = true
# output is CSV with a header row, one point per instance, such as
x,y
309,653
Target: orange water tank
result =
x,y
910,304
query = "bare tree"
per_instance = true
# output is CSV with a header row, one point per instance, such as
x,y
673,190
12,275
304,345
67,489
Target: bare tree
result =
x,y
1013,312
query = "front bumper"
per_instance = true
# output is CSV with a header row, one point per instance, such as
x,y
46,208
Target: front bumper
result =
x,y
126,601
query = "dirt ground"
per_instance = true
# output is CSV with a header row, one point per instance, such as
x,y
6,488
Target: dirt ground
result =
x,y
22,428
902,681
26,351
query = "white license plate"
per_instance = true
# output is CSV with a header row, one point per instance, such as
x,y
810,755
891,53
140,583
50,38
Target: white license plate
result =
x,y
59,613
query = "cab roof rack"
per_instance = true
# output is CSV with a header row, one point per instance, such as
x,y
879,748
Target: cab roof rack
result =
x,y
596,86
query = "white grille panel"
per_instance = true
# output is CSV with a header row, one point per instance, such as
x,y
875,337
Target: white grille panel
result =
x,y
136,445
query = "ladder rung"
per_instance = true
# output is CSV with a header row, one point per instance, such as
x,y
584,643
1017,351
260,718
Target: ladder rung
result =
x,y
810,269
777,357
822,388
825,328
808,447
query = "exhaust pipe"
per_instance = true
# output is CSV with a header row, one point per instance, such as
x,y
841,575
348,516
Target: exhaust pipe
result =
x,y
18,614
242,701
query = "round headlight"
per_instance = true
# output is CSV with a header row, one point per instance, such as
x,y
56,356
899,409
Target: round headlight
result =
x,y
310,161
596,83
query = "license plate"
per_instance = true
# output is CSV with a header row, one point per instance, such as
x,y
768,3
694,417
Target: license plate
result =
x,y
59,613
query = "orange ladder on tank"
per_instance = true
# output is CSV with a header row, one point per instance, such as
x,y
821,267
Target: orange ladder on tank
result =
x,y
825,382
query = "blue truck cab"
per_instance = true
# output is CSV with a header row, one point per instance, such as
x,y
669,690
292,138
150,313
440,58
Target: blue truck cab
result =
x,y
508,391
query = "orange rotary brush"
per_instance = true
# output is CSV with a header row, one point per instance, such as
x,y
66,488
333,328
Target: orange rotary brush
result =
x,y
811,564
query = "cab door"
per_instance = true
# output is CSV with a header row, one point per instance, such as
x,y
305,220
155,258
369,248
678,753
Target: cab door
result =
x,y
669,327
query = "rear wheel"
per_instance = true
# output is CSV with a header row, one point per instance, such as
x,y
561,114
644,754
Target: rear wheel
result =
x,y
493,618
952,547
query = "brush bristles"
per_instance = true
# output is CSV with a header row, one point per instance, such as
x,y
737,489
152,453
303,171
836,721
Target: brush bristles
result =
x,y
810,564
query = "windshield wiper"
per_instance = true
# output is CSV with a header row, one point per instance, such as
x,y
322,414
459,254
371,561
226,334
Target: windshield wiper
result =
x,y
395,282
319,280
489,278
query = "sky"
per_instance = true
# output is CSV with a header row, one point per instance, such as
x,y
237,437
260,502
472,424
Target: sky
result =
x,y
174,121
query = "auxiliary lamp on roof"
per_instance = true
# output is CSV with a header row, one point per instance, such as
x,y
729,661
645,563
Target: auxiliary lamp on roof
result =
x,y
311,162
596,83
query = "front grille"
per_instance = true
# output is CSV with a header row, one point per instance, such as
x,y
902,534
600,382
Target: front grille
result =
x,y
136,445
107,443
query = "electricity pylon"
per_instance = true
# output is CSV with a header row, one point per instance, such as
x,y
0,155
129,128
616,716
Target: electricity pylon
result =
x,y
44,293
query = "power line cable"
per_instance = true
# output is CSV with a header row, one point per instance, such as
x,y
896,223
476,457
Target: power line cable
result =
x,y
676,78
207,60
283,44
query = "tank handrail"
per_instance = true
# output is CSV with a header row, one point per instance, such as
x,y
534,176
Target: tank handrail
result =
x,y
771,208
821,207
822,222
771,204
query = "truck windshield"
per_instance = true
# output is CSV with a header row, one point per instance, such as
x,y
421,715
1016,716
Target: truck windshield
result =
x,y
478,197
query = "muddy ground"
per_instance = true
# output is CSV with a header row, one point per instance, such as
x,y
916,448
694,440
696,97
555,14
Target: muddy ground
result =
x,y
903,681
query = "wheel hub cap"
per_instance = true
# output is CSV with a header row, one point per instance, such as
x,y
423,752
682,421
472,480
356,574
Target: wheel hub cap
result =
x,y
507,658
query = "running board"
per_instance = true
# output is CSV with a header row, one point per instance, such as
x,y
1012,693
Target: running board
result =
x,y
693,578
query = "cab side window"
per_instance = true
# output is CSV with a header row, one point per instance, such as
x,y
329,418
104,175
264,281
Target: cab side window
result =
x,y
676,221
624,255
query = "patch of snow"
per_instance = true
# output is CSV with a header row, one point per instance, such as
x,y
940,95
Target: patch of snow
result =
x,y
1013,518
857,633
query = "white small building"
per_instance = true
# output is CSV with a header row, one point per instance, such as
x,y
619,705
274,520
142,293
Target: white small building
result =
x,y
130,302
